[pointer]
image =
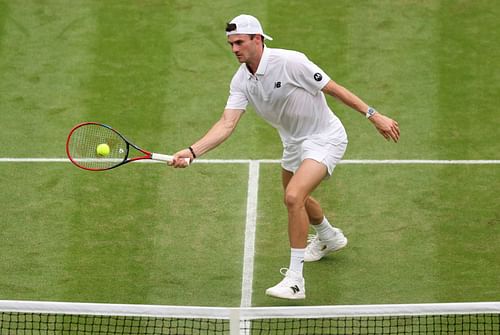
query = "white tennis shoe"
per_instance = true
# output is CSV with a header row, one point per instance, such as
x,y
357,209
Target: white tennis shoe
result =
x,y
317,249
291,287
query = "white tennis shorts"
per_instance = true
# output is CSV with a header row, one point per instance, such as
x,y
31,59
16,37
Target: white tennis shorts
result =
x,y
321,148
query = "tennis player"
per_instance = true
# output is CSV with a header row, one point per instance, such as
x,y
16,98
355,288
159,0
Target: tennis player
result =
x,y
287,90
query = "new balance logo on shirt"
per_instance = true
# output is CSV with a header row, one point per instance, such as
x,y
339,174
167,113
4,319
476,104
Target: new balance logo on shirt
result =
x,y
277,84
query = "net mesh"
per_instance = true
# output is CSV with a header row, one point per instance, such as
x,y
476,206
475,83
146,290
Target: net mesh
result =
x,y
60,324
84,147
64,318
428,324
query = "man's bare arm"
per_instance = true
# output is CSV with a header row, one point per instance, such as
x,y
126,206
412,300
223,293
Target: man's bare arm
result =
x,y
219,132
386,126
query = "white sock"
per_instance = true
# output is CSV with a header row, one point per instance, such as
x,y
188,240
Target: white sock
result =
x,y
297,260
324,230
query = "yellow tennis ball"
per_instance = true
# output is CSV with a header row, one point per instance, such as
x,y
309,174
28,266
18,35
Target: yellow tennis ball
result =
x,y
102,150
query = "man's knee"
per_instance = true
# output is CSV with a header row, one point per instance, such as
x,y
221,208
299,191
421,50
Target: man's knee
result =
x,y
294,199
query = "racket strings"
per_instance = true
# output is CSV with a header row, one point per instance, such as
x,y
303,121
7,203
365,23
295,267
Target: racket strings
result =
x,y
83,143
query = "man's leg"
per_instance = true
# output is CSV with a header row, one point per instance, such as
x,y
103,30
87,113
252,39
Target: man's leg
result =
x,y
313,207
327,238
304,181
297,190
314,211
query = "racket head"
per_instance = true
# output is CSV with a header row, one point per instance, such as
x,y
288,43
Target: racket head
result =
x,y
81,147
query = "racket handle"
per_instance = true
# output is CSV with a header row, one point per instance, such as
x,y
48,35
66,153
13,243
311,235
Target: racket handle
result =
x,y
165,158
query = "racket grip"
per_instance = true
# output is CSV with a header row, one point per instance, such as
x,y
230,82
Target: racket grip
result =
x,y
166,158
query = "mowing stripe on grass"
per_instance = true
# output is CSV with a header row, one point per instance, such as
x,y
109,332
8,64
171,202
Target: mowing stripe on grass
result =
x,y
46,50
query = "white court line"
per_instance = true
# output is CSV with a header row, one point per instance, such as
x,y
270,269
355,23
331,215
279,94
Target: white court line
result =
x,y
250,227
276,161
420,161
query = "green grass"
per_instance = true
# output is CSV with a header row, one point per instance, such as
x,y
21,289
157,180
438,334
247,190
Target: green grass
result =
x,y
74,239
159,72
416,235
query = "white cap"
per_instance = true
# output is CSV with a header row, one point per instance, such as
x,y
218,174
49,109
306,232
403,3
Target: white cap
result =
x,y
247,24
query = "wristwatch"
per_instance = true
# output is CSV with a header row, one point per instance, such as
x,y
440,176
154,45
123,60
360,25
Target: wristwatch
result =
x,y
370,112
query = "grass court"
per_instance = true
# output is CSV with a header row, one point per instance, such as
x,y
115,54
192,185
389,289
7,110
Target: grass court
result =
x,y
159,72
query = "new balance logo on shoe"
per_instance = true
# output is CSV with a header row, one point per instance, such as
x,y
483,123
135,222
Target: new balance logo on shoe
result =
x,y
291,287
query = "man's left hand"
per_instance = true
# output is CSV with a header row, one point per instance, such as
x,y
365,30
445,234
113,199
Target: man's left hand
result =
x,y
386,126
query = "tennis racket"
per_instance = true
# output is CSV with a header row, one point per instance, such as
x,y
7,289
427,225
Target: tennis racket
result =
x,y
97,147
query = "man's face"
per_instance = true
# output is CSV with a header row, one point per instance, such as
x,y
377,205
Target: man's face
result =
x,y
243,47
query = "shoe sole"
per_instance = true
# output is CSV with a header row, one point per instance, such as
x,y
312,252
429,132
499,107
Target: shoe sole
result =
x,y
295,297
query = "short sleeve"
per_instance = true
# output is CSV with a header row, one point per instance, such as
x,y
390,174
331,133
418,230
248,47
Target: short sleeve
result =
x,y
306,74
237,98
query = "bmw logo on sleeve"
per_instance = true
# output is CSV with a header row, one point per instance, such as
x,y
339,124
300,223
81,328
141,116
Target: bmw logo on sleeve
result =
x,y
318,76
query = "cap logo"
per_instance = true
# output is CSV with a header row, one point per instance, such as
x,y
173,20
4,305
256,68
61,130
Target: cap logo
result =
x,y
318,76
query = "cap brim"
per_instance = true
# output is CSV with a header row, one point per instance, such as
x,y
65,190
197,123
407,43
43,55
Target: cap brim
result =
x,y
267,37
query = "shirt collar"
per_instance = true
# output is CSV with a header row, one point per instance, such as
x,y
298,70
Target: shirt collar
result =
x,y
264,60
261,70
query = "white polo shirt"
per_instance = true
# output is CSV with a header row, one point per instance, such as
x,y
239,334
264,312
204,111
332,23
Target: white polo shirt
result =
x,y
286,92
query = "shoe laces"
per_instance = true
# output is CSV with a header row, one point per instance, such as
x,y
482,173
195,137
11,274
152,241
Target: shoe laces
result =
x,y
313,245
289,279
288,274
312,237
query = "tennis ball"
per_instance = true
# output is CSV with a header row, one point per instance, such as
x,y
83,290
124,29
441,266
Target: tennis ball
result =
x,y
102,150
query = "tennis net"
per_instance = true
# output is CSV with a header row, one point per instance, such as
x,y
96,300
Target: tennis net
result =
x,y
30,317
